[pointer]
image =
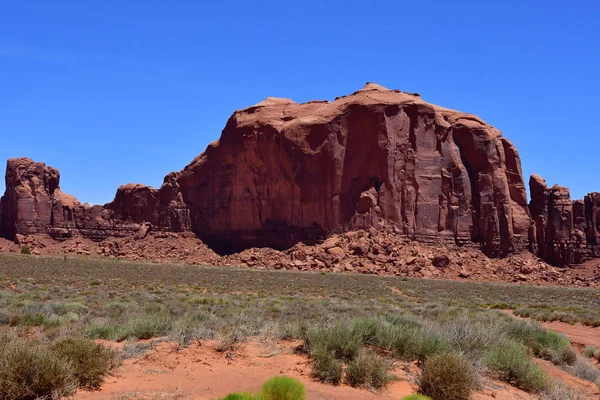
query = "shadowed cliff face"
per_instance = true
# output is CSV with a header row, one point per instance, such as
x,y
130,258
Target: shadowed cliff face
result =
x,y
284,172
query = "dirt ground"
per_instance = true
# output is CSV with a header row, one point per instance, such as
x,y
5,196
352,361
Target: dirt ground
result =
x,y
203,373
200,372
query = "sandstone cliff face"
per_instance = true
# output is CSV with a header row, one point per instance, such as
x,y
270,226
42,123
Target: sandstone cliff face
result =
x,y
33,203
163,208
563,231
284,172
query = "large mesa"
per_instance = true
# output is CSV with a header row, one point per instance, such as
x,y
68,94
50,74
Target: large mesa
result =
x,y
284,173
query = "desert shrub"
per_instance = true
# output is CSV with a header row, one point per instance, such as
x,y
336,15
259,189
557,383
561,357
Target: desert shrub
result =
x,y
405,342
242,396
369,370
582,368
560,391
283,388
447,376
473,336
589,351
30,370
89,362
25,250
340,339
327,368
416,397
193,326
133,349
513,363
568,356
102,331
545,344
430,344
146,327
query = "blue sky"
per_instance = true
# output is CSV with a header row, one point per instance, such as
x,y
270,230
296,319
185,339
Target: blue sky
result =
x,y
114,92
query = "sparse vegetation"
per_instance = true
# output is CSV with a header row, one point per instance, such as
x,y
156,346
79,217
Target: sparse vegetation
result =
x,y
351,326
25,250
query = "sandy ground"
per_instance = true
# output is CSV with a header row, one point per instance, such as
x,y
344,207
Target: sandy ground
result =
x,y
578,334
202,373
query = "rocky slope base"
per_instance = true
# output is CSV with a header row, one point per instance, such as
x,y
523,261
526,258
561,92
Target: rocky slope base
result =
x,y
360,252
284,173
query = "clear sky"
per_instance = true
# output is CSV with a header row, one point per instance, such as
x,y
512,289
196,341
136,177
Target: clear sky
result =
x,y
112,92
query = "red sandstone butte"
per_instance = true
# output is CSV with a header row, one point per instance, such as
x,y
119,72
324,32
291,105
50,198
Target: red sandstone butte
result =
x,y
284,172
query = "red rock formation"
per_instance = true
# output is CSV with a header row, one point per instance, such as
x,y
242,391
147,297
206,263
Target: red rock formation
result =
x,y
284,172
560,233
33,203
592,222
164,208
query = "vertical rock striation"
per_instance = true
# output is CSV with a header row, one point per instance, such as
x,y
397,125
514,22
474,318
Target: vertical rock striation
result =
x,y
563,231
284,172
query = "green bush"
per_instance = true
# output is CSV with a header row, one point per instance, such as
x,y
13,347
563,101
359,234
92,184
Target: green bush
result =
x,y
102,331
431,344
242,396
146,327
29,370
589,351
512,361
327,368
283,388
447,376
416,397
340,339
369,370
545,344
405,342
25,250
89,362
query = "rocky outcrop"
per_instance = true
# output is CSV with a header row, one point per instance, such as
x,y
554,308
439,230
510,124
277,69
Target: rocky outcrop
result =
x,y
33,203
284,172
377,160
163,209
563,231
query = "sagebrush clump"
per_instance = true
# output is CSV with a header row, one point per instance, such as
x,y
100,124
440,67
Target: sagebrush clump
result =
x,y
31,369
447,376
512,362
